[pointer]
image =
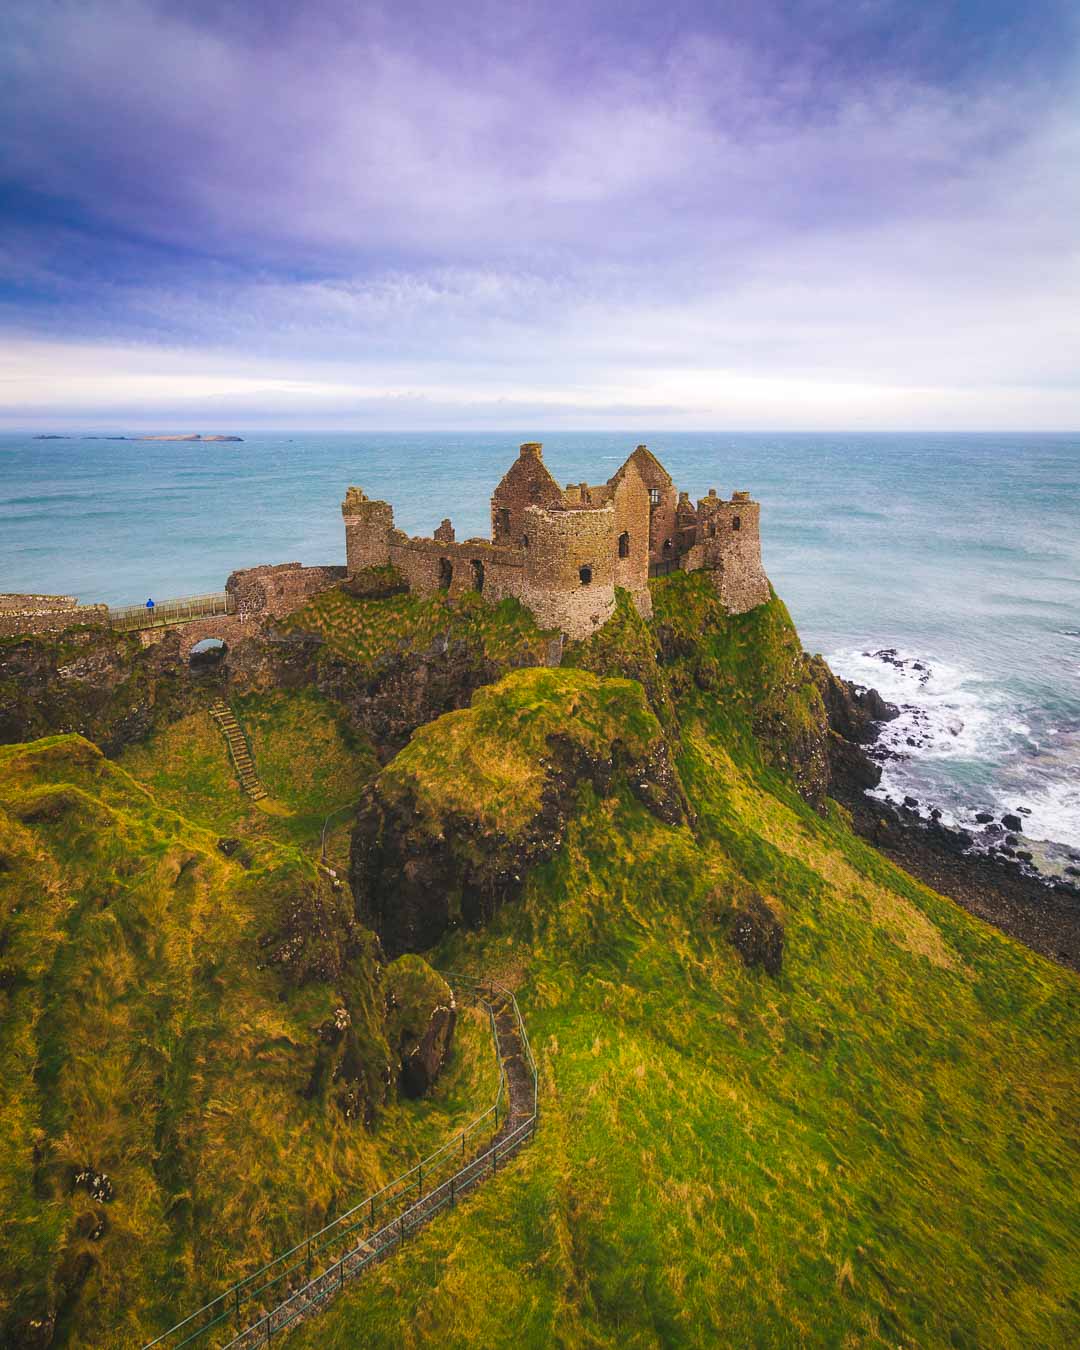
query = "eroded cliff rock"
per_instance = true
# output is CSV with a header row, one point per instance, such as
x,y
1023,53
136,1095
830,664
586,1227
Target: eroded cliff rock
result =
x,y
451,827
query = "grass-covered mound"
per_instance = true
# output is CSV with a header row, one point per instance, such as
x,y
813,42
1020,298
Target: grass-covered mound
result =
x,y
365,629
193,1049
877,1146
451,825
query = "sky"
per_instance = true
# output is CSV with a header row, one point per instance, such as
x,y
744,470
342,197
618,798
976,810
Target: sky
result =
x,y
785,215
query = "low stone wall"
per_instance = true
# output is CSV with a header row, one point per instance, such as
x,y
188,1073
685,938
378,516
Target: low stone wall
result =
x,y
272,591
28,604
430,565
41,614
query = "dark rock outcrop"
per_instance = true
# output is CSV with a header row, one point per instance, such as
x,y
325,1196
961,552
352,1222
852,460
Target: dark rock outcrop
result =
x,y
757,935
421,1063
414,879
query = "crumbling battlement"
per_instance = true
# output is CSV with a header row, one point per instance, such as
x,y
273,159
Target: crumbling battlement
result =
x,y
563,551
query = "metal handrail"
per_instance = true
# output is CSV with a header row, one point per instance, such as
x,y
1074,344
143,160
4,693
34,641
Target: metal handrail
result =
x,y
165,612
310,1297
228,1304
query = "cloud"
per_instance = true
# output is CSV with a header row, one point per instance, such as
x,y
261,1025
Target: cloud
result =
x,y
592,208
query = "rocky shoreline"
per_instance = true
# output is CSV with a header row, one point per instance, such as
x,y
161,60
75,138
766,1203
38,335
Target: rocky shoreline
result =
x,y
1028,889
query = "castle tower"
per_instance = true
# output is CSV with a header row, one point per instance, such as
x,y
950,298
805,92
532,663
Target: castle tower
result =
x,y
368,526
729,540
526,483
569,580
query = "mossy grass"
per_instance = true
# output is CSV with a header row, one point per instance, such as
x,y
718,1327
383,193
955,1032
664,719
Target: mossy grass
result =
x,y
149,1033
876,1148
489,760
305,753
365,630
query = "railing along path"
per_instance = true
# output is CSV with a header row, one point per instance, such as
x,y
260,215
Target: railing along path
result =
x,y
296,1284
128,618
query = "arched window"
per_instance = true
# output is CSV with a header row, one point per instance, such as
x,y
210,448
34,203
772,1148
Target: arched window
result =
x,y
478,574
585,573
524,541
667,545
624,545
736,523
446,573
502,521
712,529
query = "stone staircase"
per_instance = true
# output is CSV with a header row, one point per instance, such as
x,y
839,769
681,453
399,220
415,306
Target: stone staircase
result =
x,y
238,748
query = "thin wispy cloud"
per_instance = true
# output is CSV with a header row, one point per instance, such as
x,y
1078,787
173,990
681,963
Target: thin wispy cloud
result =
x,y
791,217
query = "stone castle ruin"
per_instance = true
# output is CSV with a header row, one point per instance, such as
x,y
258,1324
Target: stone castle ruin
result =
x,y
563,551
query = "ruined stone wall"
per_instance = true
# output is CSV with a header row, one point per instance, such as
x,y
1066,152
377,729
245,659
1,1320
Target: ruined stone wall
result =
x,y
526,483
631,504
730,543
569,580
368,526
24,603
46,614
663,526
274,591
431,565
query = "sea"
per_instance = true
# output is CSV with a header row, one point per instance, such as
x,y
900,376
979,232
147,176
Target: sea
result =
x,y
944,570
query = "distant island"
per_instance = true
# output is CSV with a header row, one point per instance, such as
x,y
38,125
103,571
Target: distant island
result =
x,y
195,437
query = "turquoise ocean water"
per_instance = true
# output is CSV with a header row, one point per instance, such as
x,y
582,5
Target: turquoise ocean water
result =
x,y
961,552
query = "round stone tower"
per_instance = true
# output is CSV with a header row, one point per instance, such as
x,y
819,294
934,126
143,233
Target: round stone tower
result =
x,y
569,579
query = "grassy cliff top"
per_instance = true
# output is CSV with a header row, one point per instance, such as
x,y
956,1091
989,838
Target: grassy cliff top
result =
x,y
877,1146
365,629
161,1025
491,760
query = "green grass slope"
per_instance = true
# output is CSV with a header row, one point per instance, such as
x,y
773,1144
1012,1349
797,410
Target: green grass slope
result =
x,y
365,629
877,1147
180,1090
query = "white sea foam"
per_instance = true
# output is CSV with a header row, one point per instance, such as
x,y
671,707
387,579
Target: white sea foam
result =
x,y
962,746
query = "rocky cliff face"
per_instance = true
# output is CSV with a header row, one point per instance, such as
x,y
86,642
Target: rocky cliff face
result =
x,y
451,828
854,717
103,685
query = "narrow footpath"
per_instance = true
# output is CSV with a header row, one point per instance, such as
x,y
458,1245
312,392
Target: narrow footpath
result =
x,y
515,1129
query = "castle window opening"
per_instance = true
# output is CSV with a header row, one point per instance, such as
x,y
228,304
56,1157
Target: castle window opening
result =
x,y
624,545
503,521
446,573
712,529
524,541
654,496
736,523
585,573
478,574
667,545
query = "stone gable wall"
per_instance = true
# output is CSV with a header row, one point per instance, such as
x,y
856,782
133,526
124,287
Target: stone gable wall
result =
x,y
526,483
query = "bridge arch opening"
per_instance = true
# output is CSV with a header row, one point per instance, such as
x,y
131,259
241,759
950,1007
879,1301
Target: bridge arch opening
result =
x,y
207,653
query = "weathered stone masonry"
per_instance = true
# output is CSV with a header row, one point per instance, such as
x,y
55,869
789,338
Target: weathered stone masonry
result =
x,y
563,551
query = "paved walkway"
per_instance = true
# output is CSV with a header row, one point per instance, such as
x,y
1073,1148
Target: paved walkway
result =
x,y
516,1128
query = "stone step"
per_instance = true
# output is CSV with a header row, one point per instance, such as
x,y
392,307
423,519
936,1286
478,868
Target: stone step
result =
x,y
239,750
